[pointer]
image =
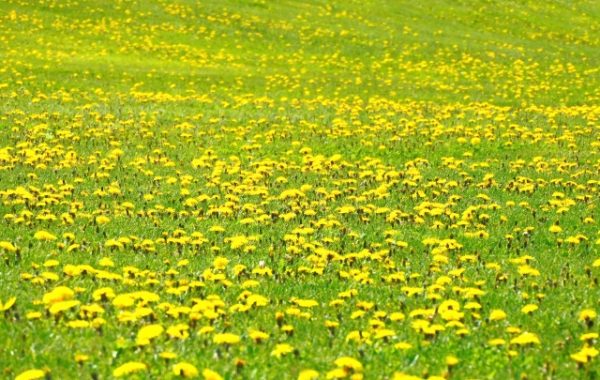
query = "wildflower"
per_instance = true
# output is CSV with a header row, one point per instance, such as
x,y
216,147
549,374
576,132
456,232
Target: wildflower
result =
x,y
451,361
81,358
306,303
404,376
226,338
8,246
185,370
349,364
282,349
555,229
31,374
147,333
525,339
585,355
129,368
61,306
588,336
258,336
168,355
497,315
58,294
403,346
209,374
528,309
384,333
497,342
102,219
8,304
308,374
587,315
44,236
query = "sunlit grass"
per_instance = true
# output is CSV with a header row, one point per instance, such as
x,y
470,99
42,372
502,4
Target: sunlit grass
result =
x,y
252,189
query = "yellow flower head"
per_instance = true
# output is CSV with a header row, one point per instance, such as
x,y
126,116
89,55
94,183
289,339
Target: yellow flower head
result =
x,y
129,368
226,338
32,374
186,370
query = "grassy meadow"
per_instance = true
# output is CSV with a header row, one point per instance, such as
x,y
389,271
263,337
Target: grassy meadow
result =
x,y
252,189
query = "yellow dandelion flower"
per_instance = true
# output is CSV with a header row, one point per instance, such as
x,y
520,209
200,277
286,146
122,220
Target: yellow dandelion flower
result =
x,y
587,315
62,306
403,346
102,219
585,355
31,374
308,374
44,236
147,333
404,376
258,336
349,363
526,338
60,293
528,309
129,368
186,370
226,338
168,355
8,246
282,349
209,374
8,304
497,315
451,361
555,229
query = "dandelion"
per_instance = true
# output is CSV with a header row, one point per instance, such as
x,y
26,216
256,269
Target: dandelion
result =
x,y
496,342
81,358
528,309
102,219
226,339
451,361
525,339
8,304
349,364
31,374
129,368
585,355
587,315
58,294
308,374
282,349
403,346
497,315
258,336
186,370
62,306
44,236
7,246
404,376
209,374
555,229
147,333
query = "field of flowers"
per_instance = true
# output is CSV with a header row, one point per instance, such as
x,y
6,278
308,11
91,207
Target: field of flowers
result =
x,y
299,189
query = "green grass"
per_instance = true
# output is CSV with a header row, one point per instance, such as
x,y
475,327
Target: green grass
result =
x,y
427,99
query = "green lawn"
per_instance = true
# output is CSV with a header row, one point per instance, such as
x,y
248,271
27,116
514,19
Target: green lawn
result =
x,y
273,190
